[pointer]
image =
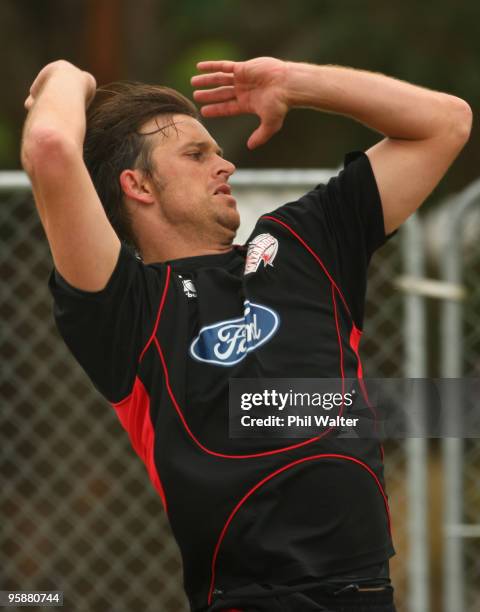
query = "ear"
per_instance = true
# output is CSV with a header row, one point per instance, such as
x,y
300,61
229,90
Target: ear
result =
x,y
136,186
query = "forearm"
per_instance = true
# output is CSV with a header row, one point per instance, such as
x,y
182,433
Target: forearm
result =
x,y
387,105
57,109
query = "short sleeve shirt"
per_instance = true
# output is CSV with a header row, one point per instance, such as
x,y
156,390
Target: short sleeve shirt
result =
x,y
161,342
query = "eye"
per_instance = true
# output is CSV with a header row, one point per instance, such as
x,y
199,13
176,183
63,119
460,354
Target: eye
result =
x,y
196,154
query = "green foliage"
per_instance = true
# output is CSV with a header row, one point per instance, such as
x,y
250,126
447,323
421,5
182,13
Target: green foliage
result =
x,y
179,74
434,43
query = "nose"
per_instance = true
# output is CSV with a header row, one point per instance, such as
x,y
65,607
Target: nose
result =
x,y
226,167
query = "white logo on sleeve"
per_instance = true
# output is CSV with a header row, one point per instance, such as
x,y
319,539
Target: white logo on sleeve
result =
x,y
188,287
263,248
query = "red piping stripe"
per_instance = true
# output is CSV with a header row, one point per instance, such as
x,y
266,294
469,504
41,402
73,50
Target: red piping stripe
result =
x,y
355,337
160,308
312,252
272,475
342,373
214,453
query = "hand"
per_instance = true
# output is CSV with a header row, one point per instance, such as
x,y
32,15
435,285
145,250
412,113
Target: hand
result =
x,y
256,87
53,68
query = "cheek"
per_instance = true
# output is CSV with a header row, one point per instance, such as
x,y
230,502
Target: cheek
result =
x,y
183,193
184,201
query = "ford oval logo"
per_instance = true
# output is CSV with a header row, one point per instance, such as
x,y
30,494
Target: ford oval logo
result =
x,y
228,342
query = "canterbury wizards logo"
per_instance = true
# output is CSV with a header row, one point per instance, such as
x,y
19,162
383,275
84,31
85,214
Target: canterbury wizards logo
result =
x,y
228,342
262,249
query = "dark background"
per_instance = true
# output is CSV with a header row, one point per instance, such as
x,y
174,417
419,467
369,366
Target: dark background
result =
x,y
432,43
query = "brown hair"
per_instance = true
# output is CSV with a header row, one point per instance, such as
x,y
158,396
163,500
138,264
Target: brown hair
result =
x,y
113,142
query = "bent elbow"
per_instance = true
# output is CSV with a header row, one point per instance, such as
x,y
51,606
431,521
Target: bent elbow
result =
x,y
460,120
44,147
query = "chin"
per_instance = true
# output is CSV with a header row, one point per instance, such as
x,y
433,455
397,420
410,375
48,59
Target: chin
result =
x,y
234,223
229,220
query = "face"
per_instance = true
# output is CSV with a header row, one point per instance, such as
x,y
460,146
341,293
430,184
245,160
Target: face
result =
x,y
190,180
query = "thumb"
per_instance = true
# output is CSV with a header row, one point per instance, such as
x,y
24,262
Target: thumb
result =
x,y
266,129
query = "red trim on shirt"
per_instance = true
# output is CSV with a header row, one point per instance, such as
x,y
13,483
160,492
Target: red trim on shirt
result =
x,y
160,308
214,453
355,337
272,475
134,415
339,336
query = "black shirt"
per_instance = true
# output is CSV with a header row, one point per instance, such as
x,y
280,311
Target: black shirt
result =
x,y
161,341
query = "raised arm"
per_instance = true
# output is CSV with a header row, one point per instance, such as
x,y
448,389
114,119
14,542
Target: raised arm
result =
x,y
83,243
424,130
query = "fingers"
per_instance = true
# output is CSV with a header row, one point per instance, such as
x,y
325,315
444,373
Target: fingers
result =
x,y
224,109
219,101
217,65
264,132
219,94
258,138
215,78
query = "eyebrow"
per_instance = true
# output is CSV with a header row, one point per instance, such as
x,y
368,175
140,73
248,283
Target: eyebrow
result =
x,y
202,144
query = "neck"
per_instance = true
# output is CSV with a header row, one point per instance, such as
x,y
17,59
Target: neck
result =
x,y
160,253
172,244
162,241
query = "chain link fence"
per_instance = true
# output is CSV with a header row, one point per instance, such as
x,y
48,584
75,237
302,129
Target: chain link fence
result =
x,y
471,450
461,357
78,512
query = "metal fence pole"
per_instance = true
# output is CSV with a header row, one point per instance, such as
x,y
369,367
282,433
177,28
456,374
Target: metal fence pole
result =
x,y
14,180
416,447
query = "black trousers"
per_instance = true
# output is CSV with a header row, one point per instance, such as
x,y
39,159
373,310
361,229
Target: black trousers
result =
x,y
353,601
341,593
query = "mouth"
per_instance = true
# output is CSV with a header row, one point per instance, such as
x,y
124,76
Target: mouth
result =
x,y
223,189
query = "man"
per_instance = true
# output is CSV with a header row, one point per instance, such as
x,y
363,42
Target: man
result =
x,y
261,524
